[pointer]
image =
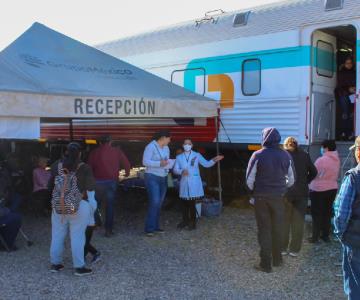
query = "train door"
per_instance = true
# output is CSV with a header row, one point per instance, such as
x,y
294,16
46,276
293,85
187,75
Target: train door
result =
x,y
323,79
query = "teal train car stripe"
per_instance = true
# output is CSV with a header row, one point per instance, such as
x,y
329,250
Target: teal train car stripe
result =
x,y
270,59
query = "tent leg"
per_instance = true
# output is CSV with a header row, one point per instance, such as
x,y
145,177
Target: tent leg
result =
x,y
71,129
218,153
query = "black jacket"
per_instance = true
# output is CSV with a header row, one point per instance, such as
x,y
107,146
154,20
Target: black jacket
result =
x,y
305,172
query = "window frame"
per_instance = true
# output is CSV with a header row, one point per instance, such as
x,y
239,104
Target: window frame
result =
x,y
332,61
191,69
243,76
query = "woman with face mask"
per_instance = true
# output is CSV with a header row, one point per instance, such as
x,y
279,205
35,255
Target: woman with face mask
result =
x,y
191,188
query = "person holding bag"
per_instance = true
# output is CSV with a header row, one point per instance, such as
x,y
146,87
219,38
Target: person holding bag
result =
x,y
72,205
191,187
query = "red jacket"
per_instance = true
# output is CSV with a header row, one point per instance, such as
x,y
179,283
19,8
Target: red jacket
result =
x,y
105,162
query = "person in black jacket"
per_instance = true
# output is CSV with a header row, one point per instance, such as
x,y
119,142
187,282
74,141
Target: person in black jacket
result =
x,y
296,198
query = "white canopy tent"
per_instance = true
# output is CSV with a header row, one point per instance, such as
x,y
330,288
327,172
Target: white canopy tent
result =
x,y
45,74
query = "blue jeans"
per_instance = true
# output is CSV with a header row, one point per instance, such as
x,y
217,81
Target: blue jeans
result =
x,y
156,187
351,269
77,224
105,193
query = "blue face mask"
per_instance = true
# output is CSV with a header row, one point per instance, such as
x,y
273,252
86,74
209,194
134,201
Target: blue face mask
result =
x,y
322,151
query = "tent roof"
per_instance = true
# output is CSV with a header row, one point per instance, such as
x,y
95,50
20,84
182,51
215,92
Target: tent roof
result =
x,y
44,73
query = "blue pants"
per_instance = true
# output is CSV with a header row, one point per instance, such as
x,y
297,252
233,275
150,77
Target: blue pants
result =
x,y
105,193
351,269
77,224
156,187
12,222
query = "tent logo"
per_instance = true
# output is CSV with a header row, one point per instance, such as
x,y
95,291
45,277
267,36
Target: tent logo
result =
x,y
38,63
32,60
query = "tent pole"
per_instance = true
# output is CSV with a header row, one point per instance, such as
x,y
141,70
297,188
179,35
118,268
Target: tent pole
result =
x,y
71,129
218,153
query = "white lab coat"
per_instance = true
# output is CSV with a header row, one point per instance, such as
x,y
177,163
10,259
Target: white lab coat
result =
x,y
191,186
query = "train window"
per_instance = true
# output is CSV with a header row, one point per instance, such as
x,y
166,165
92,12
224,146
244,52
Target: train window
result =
x,y
251,77
325,59
191,79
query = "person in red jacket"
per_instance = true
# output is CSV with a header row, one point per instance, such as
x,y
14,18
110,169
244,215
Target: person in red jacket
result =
x,y
106,162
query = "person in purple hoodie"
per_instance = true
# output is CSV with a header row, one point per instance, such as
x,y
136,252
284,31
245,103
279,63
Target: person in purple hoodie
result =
x,y
269,174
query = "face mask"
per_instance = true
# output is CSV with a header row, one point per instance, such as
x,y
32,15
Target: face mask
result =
x,y
322,151
187,148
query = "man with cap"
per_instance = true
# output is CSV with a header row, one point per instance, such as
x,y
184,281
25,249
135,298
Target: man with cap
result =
x,y
347,225
270,172
106,162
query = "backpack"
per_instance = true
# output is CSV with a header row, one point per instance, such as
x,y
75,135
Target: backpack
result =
x,y
66,195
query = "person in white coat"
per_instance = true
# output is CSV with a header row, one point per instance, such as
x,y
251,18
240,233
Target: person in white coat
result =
x,y
191,187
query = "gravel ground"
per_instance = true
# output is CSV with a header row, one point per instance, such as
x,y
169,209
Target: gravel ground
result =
x,y
214,262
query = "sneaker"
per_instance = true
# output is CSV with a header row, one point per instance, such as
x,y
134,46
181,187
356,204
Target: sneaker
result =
x,y
160,231
56,268
284,253
294,254
82,271
96,258
261,269
149,234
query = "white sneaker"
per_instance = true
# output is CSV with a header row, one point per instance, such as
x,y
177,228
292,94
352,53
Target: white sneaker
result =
x,y
284,253
294,254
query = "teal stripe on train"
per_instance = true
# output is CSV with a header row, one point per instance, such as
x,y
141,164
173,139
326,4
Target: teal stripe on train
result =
x,y
270,59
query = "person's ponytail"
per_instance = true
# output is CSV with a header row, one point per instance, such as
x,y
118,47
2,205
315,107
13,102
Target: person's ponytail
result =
x,y
72,159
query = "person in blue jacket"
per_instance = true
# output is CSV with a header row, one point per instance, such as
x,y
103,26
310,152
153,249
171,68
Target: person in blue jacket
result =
x,y
191,187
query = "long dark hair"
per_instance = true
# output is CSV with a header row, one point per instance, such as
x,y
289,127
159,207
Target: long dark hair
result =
x,y
72,159
329,144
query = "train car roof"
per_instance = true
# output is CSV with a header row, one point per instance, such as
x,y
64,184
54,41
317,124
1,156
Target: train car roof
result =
x,y
276,17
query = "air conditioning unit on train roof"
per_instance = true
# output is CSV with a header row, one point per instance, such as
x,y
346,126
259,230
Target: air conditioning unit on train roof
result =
x,y
241,19
334,4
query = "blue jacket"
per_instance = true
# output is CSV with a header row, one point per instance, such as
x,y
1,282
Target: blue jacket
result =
x,y
270,170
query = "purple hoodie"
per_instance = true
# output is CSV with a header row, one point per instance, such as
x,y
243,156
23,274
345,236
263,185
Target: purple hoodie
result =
x,y
270,170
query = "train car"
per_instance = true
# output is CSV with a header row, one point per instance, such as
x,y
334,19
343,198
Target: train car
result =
x,y
273,65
